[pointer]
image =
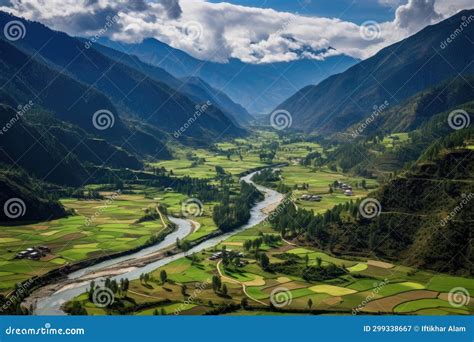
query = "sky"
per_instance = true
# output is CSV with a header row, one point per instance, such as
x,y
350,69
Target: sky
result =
x,y
254,31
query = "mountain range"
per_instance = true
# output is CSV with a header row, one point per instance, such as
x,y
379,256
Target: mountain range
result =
x,y
394,74
102,83
257,87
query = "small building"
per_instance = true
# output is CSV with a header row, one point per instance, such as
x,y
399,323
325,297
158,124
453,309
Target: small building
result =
x,y
348,192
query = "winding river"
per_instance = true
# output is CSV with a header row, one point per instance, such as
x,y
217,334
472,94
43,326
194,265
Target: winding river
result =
x,y
73,286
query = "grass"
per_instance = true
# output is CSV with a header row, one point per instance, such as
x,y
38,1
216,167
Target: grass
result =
x,y
71,239
332,290
420,304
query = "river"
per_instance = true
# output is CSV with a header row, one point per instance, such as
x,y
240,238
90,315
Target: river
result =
x,y
73,286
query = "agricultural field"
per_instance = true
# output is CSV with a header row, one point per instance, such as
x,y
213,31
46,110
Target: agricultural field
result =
x,y
395,139
367,286
317,183
97,228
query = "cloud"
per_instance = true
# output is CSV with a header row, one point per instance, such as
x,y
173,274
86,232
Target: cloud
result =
x,y
416,14
220,31
173,8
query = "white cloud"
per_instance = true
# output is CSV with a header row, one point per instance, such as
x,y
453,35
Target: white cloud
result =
x,y
416,14
220,31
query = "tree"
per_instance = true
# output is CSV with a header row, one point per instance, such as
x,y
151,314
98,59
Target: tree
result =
x,y
224,290
216,283
244,302
318,261
264,261
310,303
163,277
183,290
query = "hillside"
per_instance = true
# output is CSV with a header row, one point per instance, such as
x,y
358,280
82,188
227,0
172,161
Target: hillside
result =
x,y
194,87
394,74
425,218
26,200
133,94
422,119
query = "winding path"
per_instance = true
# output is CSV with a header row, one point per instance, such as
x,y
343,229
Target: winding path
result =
x,y
244,287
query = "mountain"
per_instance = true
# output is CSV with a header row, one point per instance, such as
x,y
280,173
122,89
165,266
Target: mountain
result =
x,y
421,107
257,87
134,94
194,87
55,151
23,78
424,118
26,199
393,75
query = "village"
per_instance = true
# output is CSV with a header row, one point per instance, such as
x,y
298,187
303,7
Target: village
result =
x,y
33,253
337,185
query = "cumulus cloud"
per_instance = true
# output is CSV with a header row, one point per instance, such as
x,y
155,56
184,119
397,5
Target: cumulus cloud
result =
x,y
417,14
219,31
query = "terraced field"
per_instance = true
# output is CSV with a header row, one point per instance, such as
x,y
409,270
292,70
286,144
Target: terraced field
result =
x,y
97,228
365,288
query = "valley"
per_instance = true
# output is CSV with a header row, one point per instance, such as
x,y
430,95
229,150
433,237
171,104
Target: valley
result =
x,y
137,178
127,217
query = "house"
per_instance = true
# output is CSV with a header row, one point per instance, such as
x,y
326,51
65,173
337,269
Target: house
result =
x,y
33,253
348,192
168,189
